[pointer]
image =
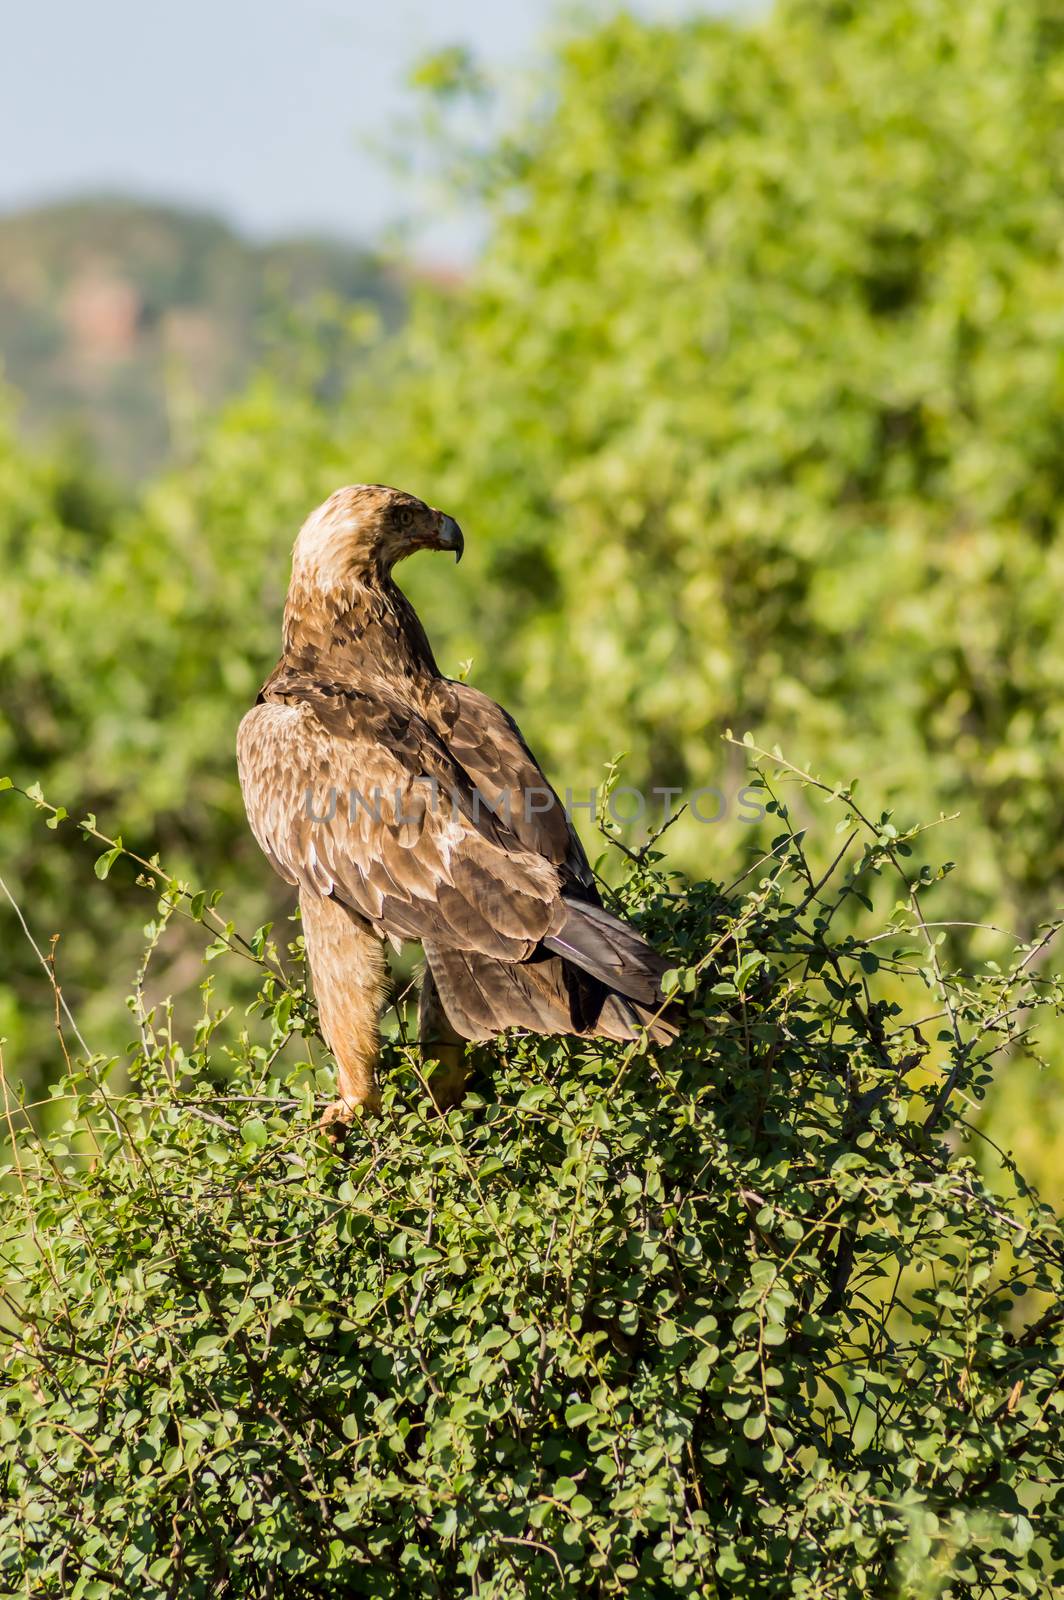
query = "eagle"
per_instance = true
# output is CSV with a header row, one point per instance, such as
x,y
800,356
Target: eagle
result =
x,y
406,806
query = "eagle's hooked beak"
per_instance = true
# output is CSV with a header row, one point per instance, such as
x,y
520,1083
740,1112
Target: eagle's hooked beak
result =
x,y
450,536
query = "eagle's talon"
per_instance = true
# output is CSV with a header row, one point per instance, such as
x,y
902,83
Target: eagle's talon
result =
x,y
338,1117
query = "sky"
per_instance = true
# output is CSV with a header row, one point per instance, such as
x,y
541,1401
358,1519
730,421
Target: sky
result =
x,y
270,112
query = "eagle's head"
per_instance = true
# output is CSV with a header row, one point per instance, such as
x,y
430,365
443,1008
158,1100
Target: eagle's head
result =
x,y
364,529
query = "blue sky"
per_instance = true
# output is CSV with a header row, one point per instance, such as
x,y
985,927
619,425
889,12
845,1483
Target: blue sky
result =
x,y
264,110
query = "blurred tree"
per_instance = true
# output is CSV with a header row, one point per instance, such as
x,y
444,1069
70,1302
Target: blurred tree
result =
x,y
755,408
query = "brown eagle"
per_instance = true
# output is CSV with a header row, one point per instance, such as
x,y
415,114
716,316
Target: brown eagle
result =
x,y
407,806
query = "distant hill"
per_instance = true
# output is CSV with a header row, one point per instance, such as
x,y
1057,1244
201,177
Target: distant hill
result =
x,y
110,308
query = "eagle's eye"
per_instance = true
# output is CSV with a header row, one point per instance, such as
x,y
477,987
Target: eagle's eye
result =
x,y
405,517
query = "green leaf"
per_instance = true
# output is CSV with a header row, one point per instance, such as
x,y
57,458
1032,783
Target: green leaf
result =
x,y
578,1414
105,862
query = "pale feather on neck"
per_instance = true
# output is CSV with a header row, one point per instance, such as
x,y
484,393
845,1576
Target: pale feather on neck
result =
x,y
325,552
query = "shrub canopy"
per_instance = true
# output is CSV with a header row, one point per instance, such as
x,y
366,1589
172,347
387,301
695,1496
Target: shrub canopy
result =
x,y
734,1317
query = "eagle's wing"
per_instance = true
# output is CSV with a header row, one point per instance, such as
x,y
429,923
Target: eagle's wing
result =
x,y
488,745
406,845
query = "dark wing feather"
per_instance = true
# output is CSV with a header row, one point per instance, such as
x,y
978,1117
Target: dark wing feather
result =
x,y
487,744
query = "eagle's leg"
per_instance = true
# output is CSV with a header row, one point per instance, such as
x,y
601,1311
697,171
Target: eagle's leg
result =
x,y
440,1043
350,974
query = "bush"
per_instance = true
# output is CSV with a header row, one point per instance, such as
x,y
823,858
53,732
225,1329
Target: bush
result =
x,y
735,1317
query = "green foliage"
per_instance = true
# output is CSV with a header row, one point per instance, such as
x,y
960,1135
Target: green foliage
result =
x,y
738,1317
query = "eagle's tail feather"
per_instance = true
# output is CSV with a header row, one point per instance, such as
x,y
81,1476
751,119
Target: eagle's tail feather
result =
x,y
610,950
481,996
623,1020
